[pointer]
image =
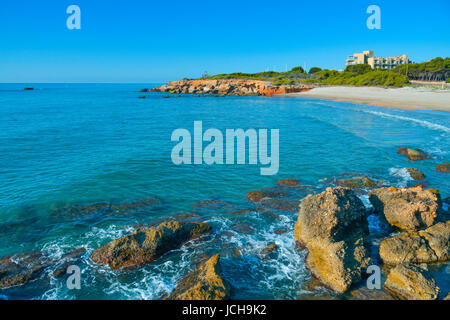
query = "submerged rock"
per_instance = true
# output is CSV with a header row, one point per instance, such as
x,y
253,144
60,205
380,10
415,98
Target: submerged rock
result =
x,y
445,167
429,245
406,208
412,283
21,268
365,293
67,260
416,174
332,226
281,204
269,249
258,195
413,154
288,182
146,245
205,283
356,182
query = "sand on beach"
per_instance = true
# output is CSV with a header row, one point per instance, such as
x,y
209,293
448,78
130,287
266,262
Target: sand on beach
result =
x,y
424,98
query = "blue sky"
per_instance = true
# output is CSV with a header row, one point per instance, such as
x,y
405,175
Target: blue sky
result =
x,y
156,41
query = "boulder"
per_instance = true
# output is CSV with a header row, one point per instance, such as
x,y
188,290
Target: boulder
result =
x,y
447,297
412,283
205,283
365,293
429,245
356,182
147,244
332,226
269,249
413,154
416,174
445,167
406,208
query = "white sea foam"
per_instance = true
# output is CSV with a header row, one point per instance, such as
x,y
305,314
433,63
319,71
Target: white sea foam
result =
x,y
424,123
402,175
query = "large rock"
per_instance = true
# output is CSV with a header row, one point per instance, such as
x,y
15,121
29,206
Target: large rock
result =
x,y
205,283
146,245
406,208
412,283
332,226
356,182
429,245
413,154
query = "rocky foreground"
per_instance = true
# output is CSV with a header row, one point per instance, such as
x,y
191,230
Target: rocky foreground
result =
x,y
229,87
331,225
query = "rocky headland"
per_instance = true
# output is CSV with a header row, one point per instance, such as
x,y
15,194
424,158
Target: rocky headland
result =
x,y
237,87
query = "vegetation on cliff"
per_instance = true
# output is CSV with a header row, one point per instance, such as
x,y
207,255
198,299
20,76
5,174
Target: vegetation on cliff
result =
x,y
437,69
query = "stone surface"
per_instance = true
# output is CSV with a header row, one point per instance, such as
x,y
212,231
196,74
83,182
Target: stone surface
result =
x,y
412,283
416,174
146,245
445,167
364,293
356,182
269,249
332,226
21,268
258,195
205,283
288,182
239,87
406,208
413,154
429,245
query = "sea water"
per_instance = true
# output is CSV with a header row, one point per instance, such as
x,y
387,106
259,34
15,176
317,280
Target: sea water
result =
x,y
64,145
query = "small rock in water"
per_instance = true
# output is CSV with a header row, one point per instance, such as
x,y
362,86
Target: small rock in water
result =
x,y
142,97
445,167
242,227
412,283
21,268
356,182
205,283
258,195
413,154
269,249
416,174
288,182
28,89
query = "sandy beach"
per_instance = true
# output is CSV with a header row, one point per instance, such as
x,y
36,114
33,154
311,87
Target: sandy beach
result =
x,y
423,98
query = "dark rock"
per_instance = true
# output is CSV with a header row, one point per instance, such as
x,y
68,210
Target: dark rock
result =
x,y
445,167
416,174
146,245
413,154
21,268
288,182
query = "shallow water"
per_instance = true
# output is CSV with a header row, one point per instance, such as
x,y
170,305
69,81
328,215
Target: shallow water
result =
x,y
79,145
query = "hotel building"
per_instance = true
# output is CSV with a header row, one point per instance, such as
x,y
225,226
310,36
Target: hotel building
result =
x,y
367,57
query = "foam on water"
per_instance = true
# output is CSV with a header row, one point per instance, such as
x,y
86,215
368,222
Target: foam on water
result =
x,y
403,176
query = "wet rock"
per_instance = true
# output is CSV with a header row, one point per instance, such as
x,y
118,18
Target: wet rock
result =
x,y
21,268
413,154
280,231
269,249
144,90
365,293
412,283
146,245
416,174
281,204
258,195
447,297
142,97
356,183
28,89
68,260
242,227
332,226
445,167
406,208
429,245
205,283
288,182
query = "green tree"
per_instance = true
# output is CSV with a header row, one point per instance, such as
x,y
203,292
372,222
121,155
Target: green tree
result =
x,y
359,68
298,70
314,70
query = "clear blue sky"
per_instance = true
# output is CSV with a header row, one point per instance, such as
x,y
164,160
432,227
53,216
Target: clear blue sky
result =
x,y
155,41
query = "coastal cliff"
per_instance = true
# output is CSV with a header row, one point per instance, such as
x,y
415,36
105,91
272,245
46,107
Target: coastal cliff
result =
x,y
238,87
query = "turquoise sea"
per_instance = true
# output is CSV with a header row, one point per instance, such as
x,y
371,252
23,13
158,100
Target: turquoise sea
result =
x,y
66,146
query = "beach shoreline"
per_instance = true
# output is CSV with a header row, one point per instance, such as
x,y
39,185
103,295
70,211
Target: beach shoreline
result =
x,y
421,98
